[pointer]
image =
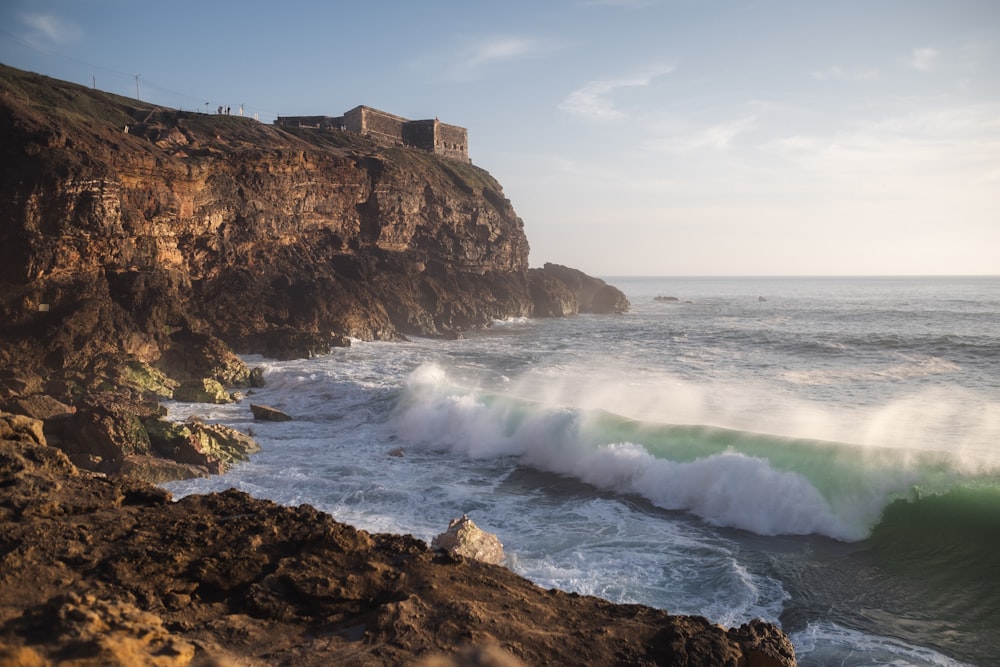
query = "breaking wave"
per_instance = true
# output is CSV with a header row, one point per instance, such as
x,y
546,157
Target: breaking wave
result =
x,y
766,484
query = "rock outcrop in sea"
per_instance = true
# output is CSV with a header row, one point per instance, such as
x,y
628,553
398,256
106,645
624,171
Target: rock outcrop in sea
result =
x,y
141,250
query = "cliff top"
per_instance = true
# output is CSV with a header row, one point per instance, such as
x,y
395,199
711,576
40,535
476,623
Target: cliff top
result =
x,y
72,110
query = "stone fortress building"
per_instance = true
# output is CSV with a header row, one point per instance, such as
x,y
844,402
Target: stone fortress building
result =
x,y
449,141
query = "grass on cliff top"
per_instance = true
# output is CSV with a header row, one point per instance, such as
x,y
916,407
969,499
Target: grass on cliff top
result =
x,y
62,99
466,176
325,138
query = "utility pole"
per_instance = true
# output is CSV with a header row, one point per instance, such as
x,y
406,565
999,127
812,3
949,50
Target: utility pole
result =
x,y
137,87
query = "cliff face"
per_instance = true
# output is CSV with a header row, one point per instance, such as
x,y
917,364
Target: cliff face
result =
x,y
113,239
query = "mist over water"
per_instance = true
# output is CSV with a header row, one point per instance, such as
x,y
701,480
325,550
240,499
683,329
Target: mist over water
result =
x,y
776,448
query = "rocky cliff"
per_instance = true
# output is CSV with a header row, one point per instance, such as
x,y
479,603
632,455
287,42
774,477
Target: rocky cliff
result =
x,y
121,223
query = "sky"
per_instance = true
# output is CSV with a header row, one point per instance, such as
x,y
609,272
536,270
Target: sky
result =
x,y
633,137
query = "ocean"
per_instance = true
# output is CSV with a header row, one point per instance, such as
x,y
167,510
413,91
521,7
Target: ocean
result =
x,y
822,453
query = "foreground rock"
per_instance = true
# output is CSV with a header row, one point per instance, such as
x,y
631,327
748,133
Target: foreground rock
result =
x,y
213,447
464,538
125,433
109,571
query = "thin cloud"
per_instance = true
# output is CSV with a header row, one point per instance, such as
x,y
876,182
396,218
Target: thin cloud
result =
x,y
618,3
838,73
501,49
594,100
923,59
950,148
478,57
50,29
721,136
682,137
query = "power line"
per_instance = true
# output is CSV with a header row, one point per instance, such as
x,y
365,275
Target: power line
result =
x,y
147,83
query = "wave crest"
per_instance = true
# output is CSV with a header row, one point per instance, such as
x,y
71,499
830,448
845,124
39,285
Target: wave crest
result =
x,y
726,488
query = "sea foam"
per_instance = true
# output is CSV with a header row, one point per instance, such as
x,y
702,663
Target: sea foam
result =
x,y
727,489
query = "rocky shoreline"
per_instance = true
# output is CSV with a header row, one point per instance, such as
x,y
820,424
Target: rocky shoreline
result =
x,y
99,567
134,266
99,570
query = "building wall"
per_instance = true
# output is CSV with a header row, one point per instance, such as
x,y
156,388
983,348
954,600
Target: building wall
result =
x,y
452,141
419,134
434,136
319,122
375,124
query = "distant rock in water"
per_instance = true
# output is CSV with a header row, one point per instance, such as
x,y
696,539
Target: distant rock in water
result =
x,y
669,299
269,414
558,291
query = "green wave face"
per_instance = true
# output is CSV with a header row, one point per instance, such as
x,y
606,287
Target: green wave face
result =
x,y
763,483
858,481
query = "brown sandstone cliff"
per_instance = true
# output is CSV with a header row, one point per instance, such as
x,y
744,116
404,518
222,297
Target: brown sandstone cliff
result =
x,y
110,240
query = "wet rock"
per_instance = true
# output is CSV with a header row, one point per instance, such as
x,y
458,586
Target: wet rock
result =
x,y
205,390
763,644
465,538
104,429
284,344
143,378
194,356
269,414
257,377
212,446
158,470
